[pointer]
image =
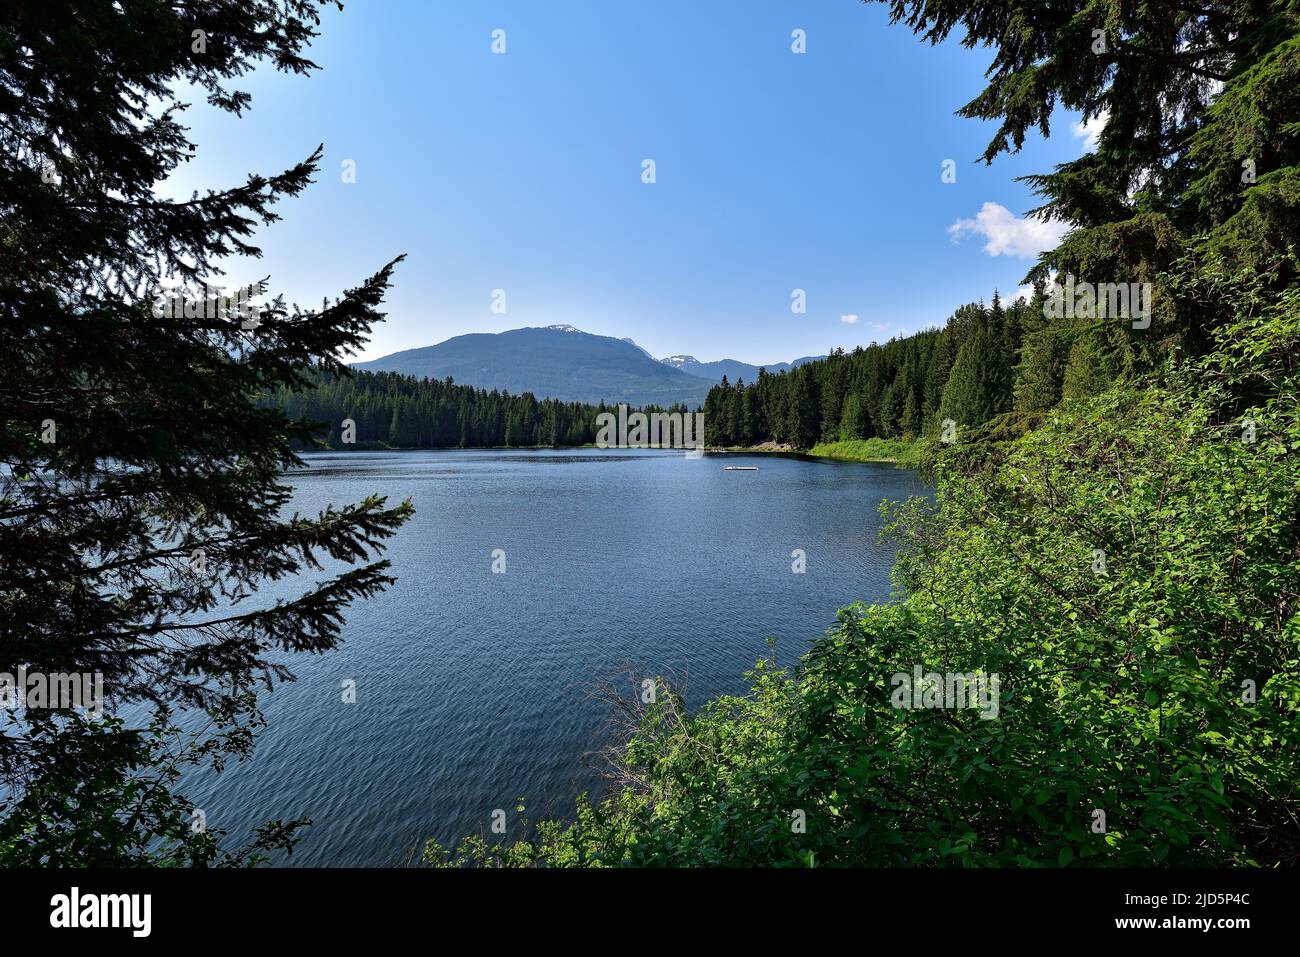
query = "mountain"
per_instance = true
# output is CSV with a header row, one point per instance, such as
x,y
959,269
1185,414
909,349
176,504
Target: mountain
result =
x,y
733,369
557,362
563,362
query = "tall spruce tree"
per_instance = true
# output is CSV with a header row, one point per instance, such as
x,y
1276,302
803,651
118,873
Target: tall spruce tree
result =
x,y
936,378
804,409
142,502
853,419
1200,150
1040,373
979,385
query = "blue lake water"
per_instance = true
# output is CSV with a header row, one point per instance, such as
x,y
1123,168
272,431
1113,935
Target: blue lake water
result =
x,y
470,685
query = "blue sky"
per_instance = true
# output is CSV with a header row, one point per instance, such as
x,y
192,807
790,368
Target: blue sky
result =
x,y
774,171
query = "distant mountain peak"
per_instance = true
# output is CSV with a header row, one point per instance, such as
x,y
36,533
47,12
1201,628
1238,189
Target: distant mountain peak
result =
x,y
575,367
557,362
731,368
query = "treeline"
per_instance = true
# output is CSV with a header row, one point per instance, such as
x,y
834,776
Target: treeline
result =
x,y
400,411
987,360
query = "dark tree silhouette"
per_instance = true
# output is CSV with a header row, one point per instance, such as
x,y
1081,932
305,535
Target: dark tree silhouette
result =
x,y
141,500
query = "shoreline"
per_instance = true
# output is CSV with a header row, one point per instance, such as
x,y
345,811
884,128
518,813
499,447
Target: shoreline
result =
x,y
883,451
870,451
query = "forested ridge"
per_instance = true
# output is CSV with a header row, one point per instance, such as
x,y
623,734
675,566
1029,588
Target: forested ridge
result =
x,y
985,360
399,411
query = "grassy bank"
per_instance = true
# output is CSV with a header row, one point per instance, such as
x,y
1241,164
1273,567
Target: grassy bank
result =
x,y
869,450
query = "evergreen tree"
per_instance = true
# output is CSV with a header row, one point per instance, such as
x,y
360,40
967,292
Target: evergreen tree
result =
x,y
735,413
1200,152
1039,376
853,424
804,410
142,486
716,431
1089,370
997,317
1013,332
936,379
878,379
979,385
909,421
893,404
834,377
748,418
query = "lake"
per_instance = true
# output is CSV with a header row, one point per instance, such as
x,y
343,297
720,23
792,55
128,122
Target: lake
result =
x,y
470,684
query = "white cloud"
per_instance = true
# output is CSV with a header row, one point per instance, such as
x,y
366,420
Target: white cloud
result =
x,y
848,320
1008,234
1089,130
